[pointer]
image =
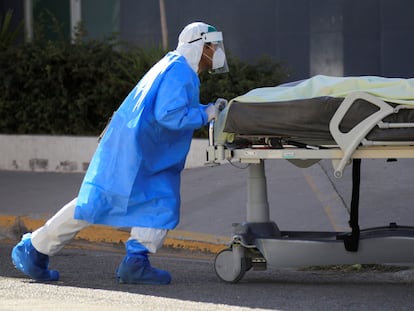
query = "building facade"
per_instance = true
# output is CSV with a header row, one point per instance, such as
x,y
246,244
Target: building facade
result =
x,y
309,37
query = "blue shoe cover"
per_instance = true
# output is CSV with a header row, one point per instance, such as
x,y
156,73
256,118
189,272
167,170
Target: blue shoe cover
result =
x,y
32,263
136,269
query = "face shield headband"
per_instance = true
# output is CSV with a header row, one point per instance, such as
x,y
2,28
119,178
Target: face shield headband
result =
x,y
219,61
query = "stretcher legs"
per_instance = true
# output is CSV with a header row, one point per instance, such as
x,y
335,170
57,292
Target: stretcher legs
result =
x,y
258,243
257,203
232,263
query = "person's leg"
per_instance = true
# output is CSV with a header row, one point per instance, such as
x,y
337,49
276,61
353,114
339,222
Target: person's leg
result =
x,y
151,238
31,254
135,268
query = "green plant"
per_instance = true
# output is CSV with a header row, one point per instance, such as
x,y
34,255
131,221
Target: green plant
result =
x,y
8,36
64,88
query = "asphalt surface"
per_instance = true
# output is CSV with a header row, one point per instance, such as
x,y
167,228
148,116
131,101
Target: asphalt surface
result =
x,y
215,197
212,199
88,283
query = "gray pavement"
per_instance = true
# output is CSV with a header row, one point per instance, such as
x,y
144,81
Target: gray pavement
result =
x,y
212,199
215,197
88,283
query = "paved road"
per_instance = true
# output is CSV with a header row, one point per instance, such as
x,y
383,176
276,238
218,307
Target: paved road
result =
x,y
88,283
213,198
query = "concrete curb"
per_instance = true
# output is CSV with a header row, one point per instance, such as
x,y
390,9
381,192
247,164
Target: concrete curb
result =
x,y
12,227
43,153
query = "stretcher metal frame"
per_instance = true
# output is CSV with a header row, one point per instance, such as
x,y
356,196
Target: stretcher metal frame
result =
x,y
258,242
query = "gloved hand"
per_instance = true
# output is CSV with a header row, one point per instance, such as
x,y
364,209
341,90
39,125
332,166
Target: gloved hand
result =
x,y
214,109
220,103
212,112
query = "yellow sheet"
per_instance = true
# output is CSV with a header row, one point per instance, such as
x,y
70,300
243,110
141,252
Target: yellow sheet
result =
x,y
395,90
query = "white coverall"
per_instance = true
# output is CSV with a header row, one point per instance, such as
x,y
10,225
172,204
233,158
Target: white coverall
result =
x,y
62,227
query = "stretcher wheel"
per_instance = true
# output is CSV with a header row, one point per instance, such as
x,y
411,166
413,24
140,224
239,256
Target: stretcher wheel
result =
x,y
230,266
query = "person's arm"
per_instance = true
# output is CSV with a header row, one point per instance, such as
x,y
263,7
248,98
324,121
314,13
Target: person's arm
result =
x,y
177,104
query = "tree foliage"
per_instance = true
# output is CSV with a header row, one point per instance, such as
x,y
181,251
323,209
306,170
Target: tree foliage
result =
x,y
72,88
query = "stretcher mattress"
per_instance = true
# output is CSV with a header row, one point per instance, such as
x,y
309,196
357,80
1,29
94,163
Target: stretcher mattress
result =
x,y
309,118
304,109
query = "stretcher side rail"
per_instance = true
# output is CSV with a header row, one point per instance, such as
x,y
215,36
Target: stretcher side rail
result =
x,y
349,142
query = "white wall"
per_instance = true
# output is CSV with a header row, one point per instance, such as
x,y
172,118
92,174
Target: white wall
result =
x,y
65,153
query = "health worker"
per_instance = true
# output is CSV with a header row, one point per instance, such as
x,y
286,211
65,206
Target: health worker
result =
x,y
133,179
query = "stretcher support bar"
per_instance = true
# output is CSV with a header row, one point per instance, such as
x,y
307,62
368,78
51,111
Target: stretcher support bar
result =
x,y
257,202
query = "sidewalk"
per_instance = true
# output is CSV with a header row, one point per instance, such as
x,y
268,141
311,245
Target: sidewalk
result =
x,y
45,153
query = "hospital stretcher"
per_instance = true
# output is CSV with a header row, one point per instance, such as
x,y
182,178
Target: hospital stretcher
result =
x,y
304,131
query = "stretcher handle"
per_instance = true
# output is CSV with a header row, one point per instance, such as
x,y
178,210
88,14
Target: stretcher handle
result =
x,y
349,142
221,104
215,152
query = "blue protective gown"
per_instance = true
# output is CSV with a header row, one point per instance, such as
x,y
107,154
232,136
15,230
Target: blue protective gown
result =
x,y
134,176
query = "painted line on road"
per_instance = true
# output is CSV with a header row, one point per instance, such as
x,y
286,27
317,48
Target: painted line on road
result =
x,y
332,205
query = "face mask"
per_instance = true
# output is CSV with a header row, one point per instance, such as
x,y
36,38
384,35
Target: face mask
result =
x,y
219,58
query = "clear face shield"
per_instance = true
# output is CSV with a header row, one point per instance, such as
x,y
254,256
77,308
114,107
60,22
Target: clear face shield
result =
x,y
219,60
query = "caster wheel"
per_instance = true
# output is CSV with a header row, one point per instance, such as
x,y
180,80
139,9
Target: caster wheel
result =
x,y
229,266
